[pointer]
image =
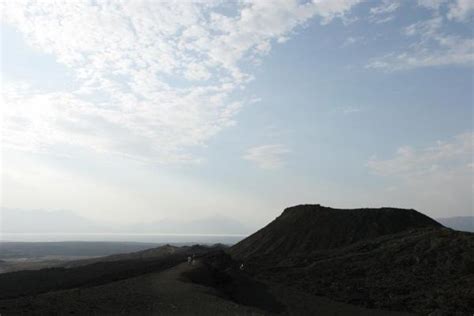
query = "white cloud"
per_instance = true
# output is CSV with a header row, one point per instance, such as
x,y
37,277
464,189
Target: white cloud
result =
x,y
267,156
383,13
461,10
431,47
441,157
436,179
386,7
164,72
351,40
455,52
428,28
380,20
197,72
431,4
432,43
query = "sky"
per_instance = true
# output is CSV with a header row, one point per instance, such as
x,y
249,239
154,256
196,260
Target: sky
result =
x,y
128,112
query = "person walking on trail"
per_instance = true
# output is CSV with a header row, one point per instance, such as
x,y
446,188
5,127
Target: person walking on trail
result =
x,y
189,259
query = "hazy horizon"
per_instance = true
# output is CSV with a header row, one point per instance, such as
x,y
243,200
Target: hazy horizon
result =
x,y
215,116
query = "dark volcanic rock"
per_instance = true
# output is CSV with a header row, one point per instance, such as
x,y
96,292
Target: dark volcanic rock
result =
x,y
418,271
305,228
97,271
391,259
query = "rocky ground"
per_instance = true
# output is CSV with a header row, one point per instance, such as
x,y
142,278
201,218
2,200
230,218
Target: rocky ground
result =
x,y
310,261
423,269
177,291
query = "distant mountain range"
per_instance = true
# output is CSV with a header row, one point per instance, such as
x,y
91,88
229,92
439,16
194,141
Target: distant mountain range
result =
x,y
50,222
42,222
208,225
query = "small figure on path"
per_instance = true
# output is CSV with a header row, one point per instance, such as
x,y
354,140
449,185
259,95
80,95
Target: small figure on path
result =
x,y
189,259
242,267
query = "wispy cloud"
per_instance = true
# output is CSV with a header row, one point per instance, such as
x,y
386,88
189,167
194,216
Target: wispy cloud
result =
x,y
128,58
350,109
385,7
267,156
351,40
431,4
441,157
460,10
383,13
430,50
432,44
435,178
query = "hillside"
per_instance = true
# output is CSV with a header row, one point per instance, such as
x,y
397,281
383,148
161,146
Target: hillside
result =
x,y
311,260
175,291
391,259
157,252
306,228
96,271
160,282
417,271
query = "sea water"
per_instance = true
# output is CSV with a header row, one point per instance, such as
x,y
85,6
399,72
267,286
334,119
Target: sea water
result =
x,y
121,237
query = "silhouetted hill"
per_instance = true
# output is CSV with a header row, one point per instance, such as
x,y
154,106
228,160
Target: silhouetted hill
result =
x,y
421,271
306,228
387,258
96,271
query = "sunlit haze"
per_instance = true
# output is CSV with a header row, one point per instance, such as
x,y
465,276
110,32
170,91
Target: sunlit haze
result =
x,y
214,114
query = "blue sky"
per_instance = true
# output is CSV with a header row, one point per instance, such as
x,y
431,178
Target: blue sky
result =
x,y
136,111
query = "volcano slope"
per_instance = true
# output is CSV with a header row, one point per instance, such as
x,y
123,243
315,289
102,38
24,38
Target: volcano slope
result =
x,y
390,259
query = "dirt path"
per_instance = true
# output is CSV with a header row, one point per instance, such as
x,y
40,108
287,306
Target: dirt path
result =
x,y
160,293
178,297
168,293
184,298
